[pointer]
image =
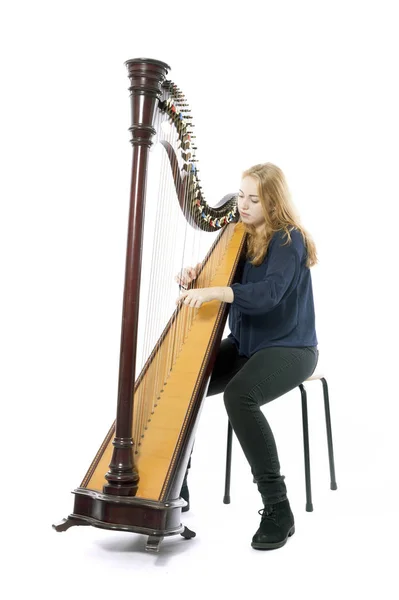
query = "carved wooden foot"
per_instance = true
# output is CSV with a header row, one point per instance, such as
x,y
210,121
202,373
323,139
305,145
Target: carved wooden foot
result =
x,y
154,541
69,522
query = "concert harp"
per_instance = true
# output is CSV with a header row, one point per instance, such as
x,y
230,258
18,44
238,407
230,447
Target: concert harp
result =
x,y
134,480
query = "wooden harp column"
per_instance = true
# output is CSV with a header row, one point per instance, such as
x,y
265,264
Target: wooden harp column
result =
x,y
114,500
145,91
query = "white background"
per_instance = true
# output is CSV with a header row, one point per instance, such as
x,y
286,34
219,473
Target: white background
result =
x,y
310,86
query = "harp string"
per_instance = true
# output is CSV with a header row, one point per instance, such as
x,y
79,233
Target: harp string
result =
x,y
143,409
149,388
163,252
182,236
173,232
190,246
156,305
164,262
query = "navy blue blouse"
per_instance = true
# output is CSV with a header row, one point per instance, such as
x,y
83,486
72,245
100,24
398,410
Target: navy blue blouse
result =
x,y
273,304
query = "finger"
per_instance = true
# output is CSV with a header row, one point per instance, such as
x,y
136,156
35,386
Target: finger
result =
x,y
181,283
195,302
190,301
181,297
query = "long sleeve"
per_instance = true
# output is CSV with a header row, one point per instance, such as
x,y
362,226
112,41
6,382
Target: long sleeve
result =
x,y
282,276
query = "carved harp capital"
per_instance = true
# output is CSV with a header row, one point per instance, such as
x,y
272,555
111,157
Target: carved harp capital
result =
x,y
146,79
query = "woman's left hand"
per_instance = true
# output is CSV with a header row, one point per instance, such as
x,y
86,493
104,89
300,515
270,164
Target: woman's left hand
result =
x,y
194,298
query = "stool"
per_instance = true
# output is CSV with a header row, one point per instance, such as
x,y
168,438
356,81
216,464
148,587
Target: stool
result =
x,y
333,485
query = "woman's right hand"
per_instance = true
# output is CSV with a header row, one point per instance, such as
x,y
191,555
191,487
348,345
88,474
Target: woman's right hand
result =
x,y
187,275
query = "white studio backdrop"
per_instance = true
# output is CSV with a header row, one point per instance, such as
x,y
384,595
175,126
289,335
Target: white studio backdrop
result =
x,y
309,86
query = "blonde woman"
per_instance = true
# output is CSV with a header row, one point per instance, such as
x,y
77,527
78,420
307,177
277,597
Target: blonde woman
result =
x,y
272,347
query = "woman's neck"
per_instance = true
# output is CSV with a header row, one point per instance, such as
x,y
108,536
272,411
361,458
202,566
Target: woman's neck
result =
x,y
260,230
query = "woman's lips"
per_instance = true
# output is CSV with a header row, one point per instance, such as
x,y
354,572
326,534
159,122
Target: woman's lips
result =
x,y
245,214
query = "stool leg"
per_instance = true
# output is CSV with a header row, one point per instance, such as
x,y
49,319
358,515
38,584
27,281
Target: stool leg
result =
x,y
333,484
309,505
226,498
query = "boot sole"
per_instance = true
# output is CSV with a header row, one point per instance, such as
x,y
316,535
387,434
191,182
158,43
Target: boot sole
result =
x,y
271,545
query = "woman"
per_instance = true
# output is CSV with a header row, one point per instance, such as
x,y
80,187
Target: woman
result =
x,y
272,347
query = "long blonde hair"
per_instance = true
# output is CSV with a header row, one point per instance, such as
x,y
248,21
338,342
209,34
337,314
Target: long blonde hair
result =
x,y
279,213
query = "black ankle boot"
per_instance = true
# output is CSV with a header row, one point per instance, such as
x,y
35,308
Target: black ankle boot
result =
x,y
276,526
185,494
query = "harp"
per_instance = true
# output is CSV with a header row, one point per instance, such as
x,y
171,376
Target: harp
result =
x,y
134,480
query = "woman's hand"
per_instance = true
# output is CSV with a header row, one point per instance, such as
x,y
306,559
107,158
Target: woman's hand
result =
x,y
187,275
196,297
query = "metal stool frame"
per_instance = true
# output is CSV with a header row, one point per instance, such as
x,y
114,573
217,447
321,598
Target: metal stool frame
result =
x,y
305,425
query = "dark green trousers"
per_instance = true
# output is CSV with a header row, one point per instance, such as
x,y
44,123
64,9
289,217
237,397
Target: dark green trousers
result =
x,y
249,383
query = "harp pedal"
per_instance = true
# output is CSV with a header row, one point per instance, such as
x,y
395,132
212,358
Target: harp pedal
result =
x,y
188,534
153,543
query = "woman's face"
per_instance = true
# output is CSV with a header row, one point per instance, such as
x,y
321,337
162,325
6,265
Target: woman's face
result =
x,y
249,205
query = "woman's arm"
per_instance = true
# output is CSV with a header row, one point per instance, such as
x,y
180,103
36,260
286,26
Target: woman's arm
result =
x,y
283,271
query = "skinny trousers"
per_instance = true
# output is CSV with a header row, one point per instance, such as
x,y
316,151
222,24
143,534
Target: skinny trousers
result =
x,y
249,383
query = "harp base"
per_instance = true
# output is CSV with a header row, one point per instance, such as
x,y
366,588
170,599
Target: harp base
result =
x,y
119,513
